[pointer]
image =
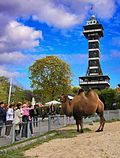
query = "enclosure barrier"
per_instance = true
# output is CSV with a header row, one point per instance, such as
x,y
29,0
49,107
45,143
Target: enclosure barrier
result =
x,y
40,127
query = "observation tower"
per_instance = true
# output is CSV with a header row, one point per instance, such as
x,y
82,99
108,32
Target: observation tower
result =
x,y
94,77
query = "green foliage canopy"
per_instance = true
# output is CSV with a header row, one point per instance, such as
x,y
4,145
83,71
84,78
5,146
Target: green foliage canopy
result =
x,y
109,96
3,94
17,95
51,74
4,89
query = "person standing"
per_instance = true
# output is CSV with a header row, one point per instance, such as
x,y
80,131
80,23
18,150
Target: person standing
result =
x,y
52,111
9,120
25,119
35,117
43,113
49,110
2,116
6,109
17,120
21,111
31,114
57,115
68,120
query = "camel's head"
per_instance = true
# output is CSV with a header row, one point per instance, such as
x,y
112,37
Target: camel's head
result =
x,y
63,98
81,90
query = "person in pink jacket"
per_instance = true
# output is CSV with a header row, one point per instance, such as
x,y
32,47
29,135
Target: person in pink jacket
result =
x,y
25,119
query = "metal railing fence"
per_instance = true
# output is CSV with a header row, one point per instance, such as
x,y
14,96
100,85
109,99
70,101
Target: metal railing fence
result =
x,y
36,128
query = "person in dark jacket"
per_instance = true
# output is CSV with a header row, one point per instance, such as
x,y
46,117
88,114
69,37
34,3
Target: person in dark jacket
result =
x,y
35,117
31,115
57,115
43,113
2,116
51,110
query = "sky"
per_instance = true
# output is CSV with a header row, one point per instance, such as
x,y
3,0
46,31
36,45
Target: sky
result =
x,y
32,29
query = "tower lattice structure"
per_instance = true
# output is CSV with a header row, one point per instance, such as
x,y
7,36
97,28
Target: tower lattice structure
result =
x,y
94,77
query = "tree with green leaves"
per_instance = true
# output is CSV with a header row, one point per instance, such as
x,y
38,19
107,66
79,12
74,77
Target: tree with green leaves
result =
x,y
108,96
3,94
52,75
28,95
4,88
17,95
75,90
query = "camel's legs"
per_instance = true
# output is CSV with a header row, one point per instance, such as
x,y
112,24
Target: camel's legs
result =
x,y
81,124
99,126
102,122
77,123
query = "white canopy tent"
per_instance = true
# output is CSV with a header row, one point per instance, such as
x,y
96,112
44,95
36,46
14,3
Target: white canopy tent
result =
x,y
70,97
52,102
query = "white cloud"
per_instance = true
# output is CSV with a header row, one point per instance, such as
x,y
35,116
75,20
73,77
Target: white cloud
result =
x,y
18,37
104,9
7,73
13,58
57,13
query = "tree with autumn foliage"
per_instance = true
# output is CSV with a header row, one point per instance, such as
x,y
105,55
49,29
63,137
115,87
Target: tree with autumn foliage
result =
x,y
52,75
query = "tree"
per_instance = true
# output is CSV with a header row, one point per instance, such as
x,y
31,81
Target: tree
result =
x,y
4,89
28,94
3,94
75,90
108,96
52,75
17,95
37,93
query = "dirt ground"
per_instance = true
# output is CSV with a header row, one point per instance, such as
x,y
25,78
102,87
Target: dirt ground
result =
x,y
87,145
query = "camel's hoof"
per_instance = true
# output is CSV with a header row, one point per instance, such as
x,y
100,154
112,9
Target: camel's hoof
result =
x,y
97,130
77,130
81,131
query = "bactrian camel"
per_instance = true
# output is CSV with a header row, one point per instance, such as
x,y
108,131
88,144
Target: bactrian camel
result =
x,y
82,106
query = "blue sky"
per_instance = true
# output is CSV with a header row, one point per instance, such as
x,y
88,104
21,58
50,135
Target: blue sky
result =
x,y
30,30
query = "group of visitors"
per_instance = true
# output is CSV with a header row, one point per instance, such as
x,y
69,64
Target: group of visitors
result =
x,y
51,111
19,115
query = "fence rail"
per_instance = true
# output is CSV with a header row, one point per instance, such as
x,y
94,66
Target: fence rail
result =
x,y
42,126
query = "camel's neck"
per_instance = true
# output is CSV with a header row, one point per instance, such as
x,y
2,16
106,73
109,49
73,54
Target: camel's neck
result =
x,y
67,108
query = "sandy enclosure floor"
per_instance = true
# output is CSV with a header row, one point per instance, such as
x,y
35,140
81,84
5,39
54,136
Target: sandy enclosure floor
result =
x,y
87,145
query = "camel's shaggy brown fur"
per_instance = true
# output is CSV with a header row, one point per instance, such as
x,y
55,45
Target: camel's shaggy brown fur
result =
x,y
83,105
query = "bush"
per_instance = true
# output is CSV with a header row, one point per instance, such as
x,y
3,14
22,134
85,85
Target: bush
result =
x,y
109,96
